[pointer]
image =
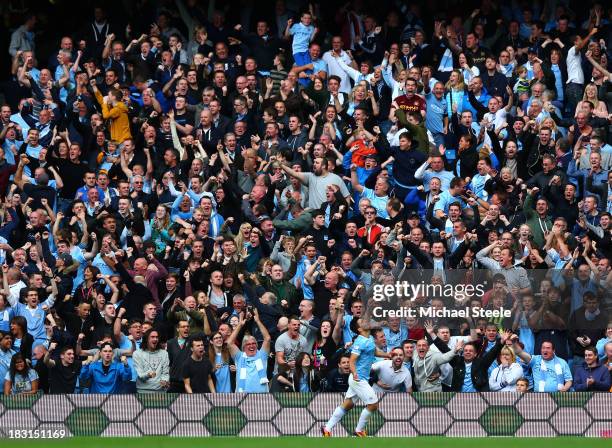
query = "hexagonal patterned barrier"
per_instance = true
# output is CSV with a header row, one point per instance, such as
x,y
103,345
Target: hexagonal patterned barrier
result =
x,y
87,422
271,415
224,421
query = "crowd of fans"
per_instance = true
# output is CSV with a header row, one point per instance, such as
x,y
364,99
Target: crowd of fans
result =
x,y
204,204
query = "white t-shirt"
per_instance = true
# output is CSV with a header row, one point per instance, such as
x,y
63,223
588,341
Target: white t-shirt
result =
x,y
333,68
317,186
391,377
574,66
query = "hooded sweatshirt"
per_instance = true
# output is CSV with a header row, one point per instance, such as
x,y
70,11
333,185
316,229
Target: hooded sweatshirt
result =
x,y
145,362
425,367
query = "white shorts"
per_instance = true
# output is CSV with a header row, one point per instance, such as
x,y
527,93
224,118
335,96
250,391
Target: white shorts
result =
x,y
362,390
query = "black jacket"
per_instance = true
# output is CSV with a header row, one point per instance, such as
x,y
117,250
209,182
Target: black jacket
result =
x,y
480,367
425,260
178,356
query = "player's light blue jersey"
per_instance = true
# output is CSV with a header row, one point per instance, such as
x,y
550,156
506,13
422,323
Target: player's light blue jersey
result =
x,y
365,349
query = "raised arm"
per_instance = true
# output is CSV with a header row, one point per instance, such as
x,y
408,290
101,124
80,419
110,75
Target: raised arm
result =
x,y
231,340
311,273
519,351
582,42
19,179
265,346
302,178
354,181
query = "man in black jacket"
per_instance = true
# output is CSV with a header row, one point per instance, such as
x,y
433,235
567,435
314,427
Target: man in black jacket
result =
x,y
438,258
470,373
492,80
563,199
178,352
337,379
550,174
135,289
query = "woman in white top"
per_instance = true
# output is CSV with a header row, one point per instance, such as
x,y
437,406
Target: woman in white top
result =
x,y
468,70
590,94
504,377
396,85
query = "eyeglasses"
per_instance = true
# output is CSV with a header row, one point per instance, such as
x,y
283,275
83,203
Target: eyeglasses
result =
x,y
370,213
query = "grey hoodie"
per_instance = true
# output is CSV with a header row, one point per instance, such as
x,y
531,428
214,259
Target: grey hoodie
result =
x,y
145,362
425,367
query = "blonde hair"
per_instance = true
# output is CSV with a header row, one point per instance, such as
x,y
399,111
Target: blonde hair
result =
x,y
508,351
505,169
460,86
550,123
239,239
595,101
358,86
288,239
199,29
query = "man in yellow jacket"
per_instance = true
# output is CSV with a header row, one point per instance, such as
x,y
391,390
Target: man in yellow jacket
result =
x,y
116,111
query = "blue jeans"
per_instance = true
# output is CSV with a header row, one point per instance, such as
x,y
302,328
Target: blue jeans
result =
x,y
438,139
573,95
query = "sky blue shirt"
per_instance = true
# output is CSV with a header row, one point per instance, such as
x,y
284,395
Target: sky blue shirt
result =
x,y
8,154
468,386
252,380
319,66
5,319
395,339
126,344
477,185
548,376
22,382
301,37
446,199
35,318
77,255
444,176
378,202
558,81
436,111
5,362
365,349
222,376
347,334
101,264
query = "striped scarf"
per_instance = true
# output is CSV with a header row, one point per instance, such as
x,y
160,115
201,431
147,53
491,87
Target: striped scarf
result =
x,y
241,368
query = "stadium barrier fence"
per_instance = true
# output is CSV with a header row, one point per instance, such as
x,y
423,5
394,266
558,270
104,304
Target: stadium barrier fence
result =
x,y
287,414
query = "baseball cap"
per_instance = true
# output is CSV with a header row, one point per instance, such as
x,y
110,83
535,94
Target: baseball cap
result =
x,y
66,258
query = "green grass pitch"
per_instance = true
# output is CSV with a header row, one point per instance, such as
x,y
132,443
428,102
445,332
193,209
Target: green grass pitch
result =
x,y
290,442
